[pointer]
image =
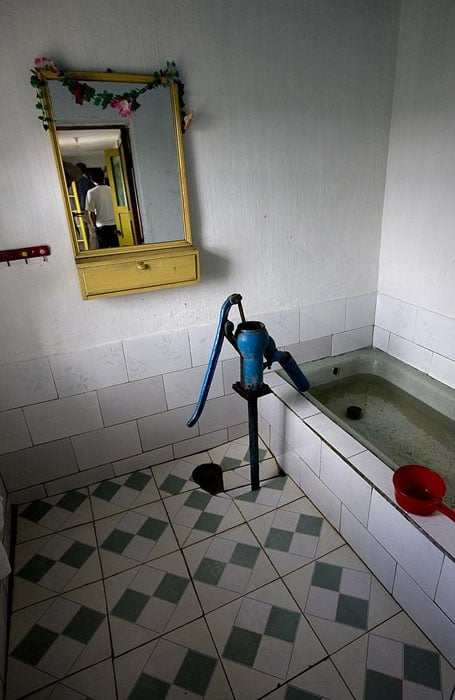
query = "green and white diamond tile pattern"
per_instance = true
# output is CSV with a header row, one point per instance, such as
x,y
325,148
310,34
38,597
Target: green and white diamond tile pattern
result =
x,y
236,454
397,662
56,638
51,565
175,477
272,494
90,684
182,664
53,514
146,586
150,600
263,640
227,566
123,492
340,597
198,515
134,537
322,682
294,535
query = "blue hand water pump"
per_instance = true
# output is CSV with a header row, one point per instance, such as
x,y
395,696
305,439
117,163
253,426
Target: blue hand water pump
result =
x,y
253,344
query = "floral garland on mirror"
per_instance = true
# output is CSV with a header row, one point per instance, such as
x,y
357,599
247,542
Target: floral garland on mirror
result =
x,y
125,103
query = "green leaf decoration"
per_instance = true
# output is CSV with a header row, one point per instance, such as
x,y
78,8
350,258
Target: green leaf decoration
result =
x,y
82,92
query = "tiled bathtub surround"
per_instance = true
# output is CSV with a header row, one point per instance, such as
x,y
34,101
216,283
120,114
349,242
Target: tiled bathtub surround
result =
x,y
353,489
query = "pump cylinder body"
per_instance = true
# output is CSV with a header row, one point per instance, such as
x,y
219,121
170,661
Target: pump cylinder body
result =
x,y
252,339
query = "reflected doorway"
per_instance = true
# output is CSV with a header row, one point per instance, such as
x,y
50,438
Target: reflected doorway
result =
x,y
105,152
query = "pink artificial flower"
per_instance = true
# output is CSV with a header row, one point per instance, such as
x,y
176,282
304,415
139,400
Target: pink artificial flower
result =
x,y
44,63
124,106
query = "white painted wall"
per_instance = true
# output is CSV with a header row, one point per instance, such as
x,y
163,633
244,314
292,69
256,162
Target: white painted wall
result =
x,y
417,263
286,156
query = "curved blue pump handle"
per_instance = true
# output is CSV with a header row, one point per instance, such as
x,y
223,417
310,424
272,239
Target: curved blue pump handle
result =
x,y
232,300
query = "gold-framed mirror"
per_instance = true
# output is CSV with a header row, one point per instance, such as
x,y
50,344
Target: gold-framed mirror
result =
x,y
118,139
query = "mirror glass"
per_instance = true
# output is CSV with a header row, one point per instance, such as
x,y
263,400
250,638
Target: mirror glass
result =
x,y
140,156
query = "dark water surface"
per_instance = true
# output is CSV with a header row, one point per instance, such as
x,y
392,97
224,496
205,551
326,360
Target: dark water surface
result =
x,y
403,428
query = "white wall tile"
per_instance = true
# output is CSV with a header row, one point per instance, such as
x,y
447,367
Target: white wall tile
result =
x,y
395,316
106,445
408,352
143,460
439,527
381,339
310,350
272,378
322,319
166,428
157,354
240,430
183,388
425,613
321,496
334,435
381,563
360,311
287,459
32,493
61,418
273,410
202,339
200,443
342,480
435,332
352,340
222,412
86,370
36,465
80,479
305,442
443,370
25,383
282,326
126,402
445,594
14,433
416,554
298,402
231,374
376,471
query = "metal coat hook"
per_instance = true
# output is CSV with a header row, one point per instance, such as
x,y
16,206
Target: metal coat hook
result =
x,y
39,251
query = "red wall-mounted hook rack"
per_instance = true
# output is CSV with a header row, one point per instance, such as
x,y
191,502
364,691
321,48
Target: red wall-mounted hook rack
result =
x,y
35,251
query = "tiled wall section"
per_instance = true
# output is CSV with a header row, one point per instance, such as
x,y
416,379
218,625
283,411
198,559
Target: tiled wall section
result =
x,y
353,489
5,537
73,419
420,338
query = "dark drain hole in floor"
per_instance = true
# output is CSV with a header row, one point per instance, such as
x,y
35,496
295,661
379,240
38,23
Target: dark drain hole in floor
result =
x,y
209,477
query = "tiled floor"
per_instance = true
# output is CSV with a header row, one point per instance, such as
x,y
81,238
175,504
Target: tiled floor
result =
x,y
147,587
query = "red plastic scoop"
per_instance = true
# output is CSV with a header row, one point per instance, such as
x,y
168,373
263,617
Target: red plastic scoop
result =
x,y
420,490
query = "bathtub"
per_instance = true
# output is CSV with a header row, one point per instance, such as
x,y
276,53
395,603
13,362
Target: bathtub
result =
x,y
406,416
350,481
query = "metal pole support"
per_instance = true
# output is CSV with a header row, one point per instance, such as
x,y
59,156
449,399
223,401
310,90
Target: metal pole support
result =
x,y
252,398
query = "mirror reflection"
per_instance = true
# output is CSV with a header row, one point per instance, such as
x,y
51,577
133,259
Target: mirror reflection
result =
x,y
123,174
